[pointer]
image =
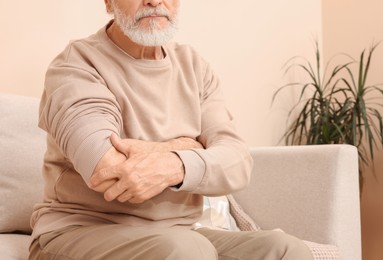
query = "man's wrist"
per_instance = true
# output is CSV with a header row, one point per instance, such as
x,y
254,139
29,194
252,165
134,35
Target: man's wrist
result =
x,y
184,143
179,172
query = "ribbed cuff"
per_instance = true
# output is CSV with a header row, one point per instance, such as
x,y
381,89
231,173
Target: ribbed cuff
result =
x,y
194,170
89,153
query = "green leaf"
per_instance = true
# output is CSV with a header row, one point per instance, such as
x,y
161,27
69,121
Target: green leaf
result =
x,y
335,106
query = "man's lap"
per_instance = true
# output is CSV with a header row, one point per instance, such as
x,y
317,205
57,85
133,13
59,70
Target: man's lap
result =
x,y
124,242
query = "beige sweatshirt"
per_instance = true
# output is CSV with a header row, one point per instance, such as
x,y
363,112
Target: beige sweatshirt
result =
x,y
94,89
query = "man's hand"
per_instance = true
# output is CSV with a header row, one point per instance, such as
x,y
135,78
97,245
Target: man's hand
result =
x,y
139,178
136,170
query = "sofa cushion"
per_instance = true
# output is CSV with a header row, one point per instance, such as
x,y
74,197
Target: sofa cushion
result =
x,y
243,221
21,154
14,246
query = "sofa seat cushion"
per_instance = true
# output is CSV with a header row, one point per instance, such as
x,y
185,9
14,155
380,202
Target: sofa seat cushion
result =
x,y
323,252
14,246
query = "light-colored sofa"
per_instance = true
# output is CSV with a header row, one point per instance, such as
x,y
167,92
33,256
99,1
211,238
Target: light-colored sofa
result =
x,y
308,191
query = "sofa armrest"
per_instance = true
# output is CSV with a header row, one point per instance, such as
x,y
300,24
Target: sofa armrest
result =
x,y
311,192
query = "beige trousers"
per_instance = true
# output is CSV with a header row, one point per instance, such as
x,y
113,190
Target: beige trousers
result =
x,y
115,242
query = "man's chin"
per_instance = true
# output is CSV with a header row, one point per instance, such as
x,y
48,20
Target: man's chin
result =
x,y
151,38
159,21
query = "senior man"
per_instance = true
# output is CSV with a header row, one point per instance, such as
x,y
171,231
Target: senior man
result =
x,y
138,132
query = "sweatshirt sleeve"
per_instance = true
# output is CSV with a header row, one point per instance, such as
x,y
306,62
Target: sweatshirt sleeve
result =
x,y
224,166
80,114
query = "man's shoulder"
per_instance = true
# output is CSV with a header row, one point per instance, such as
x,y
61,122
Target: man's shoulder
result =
x,y
183,51
80,48
90,41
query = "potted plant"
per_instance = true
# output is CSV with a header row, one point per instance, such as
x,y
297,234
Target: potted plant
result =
x,y
336,105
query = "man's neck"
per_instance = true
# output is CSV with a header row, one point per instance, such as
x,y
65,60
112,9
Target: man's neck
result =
x,y
133,49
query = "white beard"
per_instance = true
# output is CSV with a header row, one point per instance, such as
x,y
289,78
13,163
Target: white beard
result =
x,y
152,36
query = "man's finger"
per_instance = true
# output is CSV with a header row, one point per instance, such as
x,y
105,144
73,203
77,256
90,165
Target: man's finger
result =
x,y
114,191
126,196
104,185
103,175
118,144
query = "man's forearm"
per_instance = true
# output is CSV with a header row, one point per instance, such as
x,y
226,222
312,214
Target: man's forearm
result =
x,y
123,149
183,143
132,146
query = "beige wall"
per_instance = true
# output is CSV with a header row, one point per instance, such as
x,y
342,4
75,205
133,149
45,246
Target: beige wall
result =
x,y
247,42
350,26
33,32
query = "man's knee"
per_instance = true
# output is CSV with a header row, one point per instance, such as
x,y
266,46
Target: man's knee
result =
x,y
185,244
287,246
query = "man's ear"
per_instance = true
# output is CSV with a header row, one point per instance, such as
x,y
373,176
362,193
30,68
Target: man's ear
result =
x,y
108,6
